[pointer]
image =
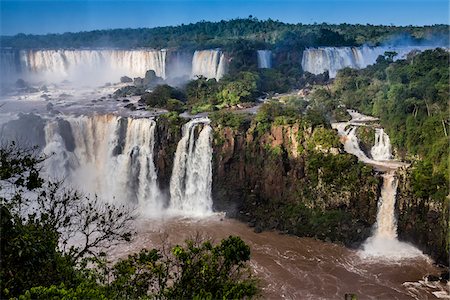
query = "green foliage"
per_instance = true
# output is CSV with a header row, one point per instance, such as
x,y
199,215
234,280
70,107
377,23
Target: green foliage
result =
x,y
323,138
242,34
30,255
242,88
164,96
411,99
229,119
208,94
277,113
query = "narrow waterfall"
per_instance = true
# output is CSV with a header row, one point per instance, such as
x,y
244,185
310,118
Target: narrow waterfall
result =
x,y
350,141
209,63
386,226
382,148
190,185
105,65
384,243
106,155
333,59
264,59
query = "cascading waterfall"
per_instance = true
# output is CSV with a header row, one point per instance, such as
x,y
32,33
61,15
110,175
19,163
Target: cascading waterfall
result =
x,y
190,185
382,148
383,243
75,64
333,59
264,59
111,157
209,63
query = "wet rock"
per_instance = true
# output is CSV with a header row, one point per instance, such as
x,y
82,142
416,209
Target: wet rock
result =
x,y
45,97
21,84
130,106
432,277
49,106
258,229
125,100
125,79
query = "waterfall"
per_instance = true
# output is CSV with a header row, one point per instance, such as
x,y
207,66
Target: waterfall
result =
x,y
333,59
190,185
99,65
382,148
209,63
384,243
9,65
264,59
178,64
351,142
106,155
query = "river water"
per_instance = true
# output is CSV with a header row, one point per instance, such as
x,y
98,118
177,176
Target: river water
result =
x,y
300,268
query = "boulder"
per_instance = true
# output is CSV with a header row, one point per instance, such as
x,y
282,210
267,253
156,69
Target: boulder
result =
x,y
125,79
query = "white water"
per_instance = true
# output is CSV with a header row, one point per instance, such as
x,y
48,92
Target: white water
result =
x,y
83,66
382,148
383,244
190,184
209,63
333,59
264,59
110,156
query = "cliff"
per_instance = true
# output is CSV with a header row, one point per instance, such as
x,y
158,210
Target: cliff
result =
x,y
296,180
422,221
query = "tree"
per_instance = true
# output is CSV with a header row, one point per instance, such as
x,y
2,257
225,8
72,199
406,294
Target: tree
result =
x,y
39,259
38,221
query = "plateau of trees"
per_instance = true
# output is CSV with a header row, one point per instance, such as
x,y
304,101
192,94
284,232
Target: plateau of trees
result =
x,y
230,34
53,244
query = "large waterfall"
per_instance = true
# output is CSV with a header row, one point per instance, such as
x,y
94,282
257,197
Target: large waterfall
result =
x,y
112,157
264,59
82,64
333,59
209,63
190,185
106,155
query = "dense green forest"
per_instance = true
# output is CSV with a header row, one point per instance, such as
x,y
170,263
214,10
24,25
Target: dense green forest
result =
x,y
411,98
229,34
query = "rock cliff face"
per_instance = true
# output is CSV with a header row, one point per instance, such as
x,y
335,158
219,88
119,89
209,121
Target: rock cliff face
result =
x,y
422,222
293,180
168,133
299,181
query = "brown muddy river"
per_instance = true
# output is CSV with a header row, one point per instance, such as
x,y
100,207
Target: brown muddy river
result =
x,y
301,268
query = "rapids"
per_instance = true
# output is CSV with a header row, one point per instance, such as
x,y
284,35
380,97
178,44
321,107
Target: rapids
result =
x,y
299,268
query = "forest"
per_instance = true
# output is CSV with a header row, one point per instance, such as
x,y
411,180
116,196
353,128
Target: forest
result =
x,y
257,34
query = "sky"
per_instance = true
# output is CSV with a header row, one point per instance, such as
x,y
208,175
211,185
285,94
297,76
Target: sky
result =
x,y
58,16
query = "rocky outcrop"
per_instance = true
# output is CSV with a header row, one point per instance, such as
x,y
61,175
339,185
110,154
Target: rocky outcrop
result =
x,y
422,221
293,179
168,133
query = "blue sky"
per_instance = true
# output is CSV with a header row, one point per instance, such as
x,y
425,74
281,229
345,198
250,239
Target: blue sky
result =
x,y
40,17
